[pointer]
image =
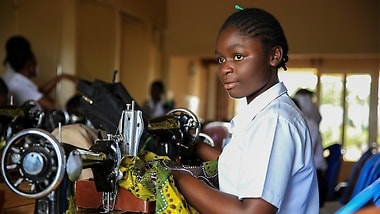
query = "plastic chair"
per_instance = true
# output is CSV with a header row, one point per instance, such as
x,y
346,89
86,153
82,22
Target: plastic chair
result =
x,y
371,194
351,182
334,161
369,173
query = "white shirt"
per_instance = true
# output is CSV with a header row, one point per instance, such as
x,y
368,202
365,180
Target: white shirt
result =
x,y
155,109
20,87
313,118
309,108
270,155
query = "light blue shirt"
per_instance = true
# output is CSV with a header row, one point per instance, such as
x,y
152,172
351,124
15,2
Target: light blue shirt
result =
x,y
270,155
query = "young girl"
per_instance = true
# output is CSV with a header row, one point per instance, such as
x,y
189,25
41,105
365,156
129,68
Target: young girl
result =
x,y
267,166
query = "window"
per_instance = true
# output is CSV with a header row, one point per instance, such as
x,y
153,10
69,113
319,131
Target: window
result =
x,y
344,105
331,108
292,79
356,126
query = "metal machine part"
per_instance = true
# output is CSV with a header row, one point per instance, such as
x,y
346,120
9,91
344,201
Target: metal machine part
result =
x,y
34,112
207,139
16,118
30,115
189,125
174,133
131,127
104,159
33,163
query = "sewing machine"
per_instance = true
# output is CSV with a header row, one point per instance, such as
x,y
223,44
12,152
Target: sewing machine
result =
x,y
38,166
30,115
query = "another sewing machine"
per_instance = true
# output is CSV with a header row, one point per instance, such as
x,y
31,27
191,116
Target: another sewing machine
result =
x,y
36,165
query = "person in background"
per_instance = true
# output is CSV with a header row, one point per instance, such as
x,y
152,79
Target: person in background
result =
x,y
20,67
304,100
157,105
267,166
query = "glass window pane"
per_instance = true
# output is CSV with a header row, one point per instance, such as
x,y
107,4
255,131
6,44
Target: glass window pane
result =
x,y
331,92
357,105
292,77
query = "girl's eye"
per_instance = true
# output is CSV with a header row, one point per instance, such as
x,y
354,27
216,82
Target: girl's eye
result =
x,y
238,57
220,60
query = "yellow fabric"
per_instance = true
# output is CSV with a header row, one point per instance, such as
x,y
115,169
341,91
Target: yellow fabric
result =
x,y
148,180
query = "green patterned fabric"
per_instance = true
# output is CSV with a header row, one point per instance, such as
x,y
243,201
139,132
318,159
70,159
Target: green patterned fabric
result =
x,y
148,177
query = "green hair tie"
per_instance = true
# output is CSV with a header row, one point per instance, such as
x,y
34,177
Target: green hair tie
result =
x,y
237,7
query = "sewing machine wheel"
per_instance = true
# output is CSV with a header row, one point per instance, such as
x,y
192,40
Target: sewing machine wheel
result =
x,y
190,125
33,163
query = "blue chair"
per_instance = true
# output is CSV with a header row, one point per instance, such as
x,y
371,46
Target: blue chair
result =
x,y
334,161
349,186
370,194
369,173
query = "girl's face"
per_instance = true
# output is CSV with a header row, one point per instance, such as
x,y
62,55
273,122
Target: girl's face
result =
x,y
244,69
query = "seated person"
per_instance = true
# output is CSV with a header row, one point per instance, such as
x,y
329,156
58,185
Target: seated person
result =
x,y
20,67
157,104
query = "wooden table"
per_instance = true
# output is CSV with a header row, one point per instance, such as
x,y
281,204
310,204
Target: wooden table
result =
x,y
15,204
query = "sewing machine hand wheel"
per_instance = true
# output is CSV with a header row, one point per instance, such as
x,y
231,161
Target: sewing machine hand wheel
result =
x,y
190,125
33,163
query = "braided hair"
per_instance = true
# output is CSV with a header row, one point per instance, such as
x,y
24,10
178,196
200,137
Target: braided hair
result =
x,y
255,22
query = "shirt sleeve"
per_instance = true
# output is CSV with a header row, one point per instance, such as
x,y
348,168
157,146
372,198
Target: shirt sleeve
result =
x,y
269,158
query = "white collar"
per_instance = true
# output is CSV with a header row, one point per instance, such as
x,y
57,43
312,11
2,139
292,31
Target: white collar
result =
x,y
248,112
